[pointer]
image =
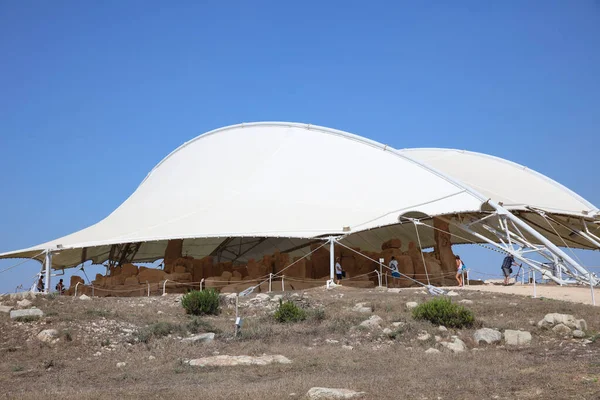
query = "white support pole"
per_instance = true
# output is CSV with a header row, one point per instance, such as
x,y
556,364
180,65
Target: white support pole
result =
x,y
381,260
592,289
386,282
270,277
201,283
77,284
331,258
282,285
534,287
165,286
48,268
147,283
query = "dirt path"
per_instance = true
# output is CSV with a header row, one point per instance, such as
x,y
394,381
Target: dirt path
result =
x,y
576,294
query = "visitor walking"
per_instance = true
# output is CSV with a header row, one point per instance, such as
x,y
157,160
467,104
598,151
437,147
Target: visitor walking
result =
x,y
40,284
460,268
507,264
60,287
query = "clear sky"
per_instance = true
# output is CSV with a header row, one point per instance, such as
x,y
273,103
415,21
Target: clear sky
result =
x,y
94,93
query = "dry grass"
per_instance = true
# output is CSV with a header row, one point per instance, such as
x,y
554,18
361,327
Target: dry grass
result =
x,y
385,366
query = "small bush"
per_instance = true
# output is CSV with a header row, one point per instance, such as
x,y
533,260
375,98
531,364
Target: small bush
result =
x,y
317,315
289,312
441,311
204,302
197,325
159,329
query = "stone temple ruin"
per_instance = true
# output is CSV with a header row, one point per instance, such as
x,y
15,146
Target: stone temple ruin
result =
x,y
184,273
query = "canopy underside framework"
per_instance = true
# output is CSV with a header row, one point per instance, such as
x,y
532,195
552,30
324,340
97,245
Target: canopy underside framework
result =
x,y
283,194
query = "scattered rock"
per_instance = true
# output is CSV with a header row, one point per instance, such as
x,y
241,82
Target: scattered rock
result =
x,y
442,328
121,364
387,331
552,319
394,290
362,308
276,298
513,304
423,336
578,334
487,335
452,293
466,301
84,297
151,358
329,393
202,337
397,324
581,325
262,297
346,347
431,350
331,341
30,312
228,361
373,322
48,335
97,354
411,304
517,338
24,303
456,346
5,309
562,329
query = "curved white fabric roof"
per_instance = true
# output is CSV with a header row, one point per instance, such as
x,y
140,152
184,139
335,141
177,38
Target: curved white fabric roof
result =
x,y
286,180
504,181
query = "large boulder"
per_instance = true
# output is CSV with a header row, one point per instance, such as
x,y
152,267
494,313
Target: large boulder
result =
x,y
552,319
200,338
151,275
455,346
517,338
374,322
487,335
24,303
30,312
331,393
48,335
443,249
228,361
128,270
173,252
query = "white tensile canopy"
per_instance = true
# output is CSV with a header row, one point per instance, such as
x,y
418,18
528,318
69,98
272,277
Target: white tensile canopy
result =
x,y
271,185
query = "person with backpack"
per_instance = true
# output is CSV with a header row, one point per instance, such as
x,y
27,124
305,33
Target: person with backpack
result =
x,y
460,268
507,264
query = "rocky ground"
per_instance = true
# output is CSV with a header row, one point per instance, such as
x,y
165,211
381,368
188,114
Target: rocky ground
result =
x,y
363,341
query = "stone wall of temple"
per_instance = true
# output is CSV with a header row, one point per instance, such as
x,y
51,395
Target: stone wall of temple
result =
x,y
436,268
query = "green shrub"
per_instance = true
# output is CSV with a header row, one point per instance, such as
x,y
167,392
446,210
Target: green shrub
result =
x,y
289,312
441,311
159,329
201,302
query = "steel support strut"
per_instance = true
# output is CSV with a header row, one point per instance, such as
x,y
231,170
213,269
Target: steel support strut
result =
x,y
513,241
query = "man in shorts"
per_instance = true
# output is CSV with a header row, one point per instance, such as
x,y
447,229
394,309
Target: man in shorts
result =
x,y
507,264
339,273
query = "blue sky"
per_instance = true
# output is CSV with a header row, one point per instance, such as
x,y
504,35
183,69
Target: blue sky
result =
x,y
93,94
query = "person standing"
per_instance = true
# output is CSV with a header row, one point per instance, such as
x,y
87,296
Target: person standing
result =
x,y
338,271
460,268
40,284
394,267
507,264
